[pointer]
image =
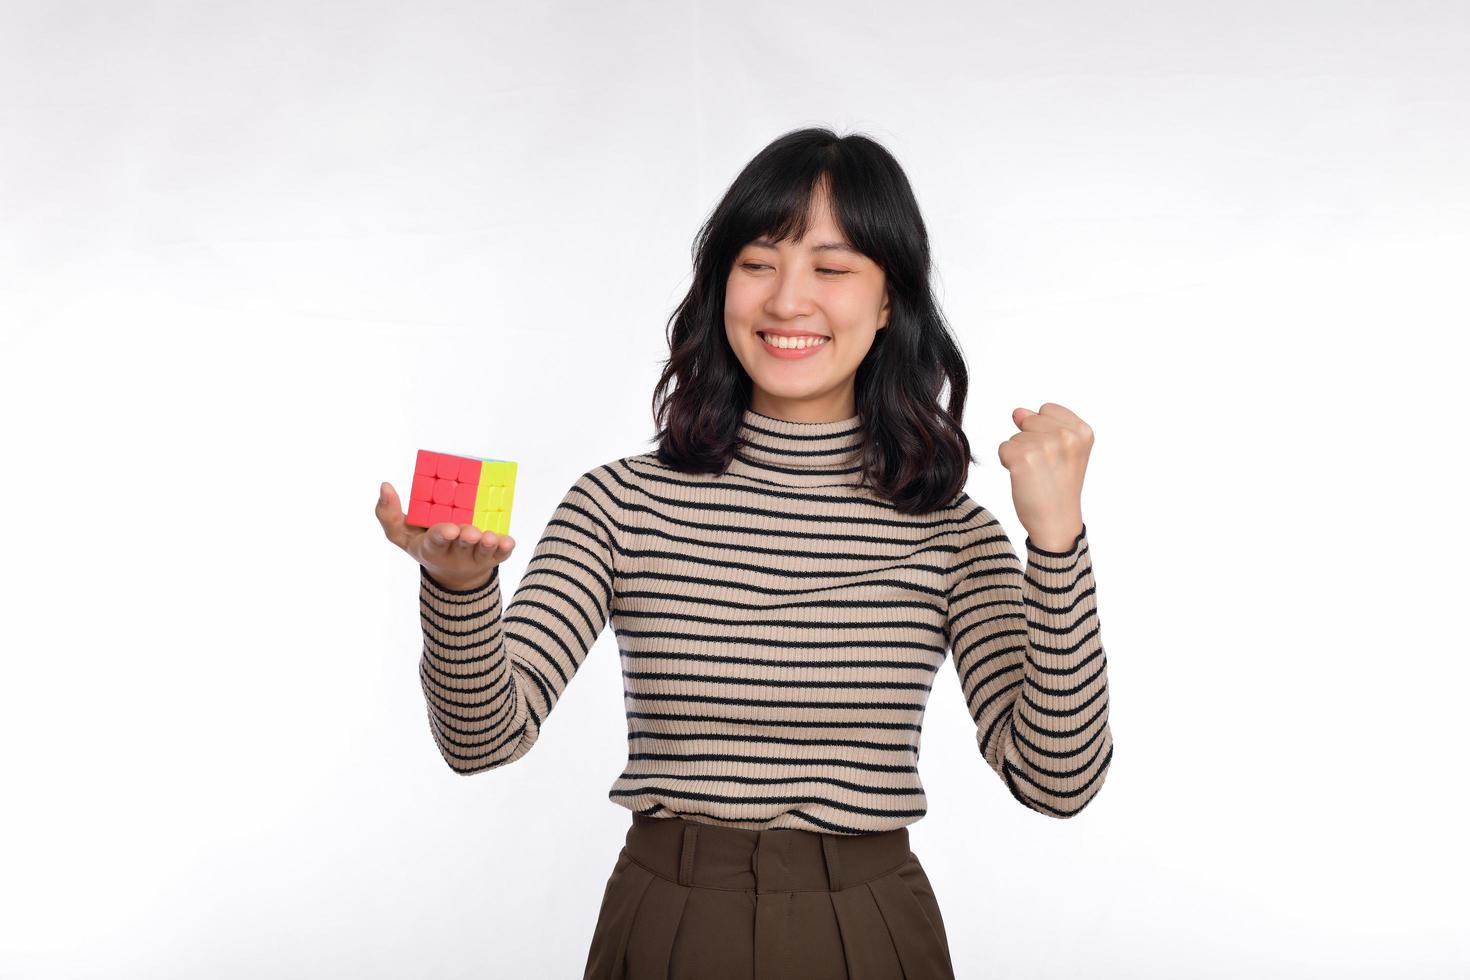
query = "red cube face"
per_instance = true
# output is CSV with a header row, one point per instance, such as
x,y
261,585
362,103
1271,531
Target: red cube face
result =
x,y
446,467
446,489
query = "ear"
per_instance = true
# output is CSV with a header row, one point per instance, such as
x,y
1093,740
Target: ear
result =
x,y
883,312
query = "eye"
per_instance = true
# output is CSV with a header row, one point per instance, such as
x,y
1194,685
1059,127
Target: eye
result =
x,y
828,272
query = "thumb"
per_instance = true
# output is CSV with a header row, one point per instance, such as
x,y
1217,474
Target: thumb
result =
x,y
386,498
391,519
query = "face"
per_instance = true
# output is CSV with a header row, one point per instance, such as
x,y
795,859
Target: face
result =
x,y
782,296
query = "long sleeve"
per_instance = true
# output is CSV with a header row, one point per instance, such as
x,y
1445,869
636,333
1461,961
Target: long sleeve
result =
x,y
1028,650
490,681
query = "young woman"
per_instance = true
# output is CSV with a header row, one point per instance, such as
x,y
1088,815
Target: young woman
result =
x,y
785,575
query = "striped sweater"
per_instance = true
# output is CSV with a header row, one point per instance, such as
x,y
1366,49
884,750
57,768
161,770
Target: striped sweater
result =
x,y
780,629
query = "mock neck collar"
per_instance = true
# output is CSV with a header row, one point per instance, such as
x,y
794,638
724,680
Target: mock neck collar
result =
x,y
800,453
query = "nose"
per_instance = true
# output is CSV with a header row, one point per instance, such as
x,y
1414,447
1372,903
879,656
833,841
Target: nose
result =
x,y
789,297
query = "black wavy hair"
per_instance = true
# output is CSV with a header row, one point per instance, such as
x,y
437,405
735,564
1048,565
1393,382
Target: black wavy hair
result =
x,y
915,453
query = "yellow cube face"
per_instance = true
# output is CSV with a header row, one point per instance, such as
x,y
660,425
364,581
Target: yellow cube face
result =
x,y
497,521
494,496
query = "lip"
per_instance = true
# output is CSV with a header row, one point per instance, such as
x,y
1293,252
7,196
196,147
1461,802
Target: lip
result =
x,y
791,354
791,333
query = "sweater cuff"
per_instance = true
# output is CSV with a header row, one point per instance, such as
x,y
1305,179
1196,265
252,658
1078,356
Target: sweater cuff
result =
x,y
1057,571
1041,556
489,583
461,604
1053,580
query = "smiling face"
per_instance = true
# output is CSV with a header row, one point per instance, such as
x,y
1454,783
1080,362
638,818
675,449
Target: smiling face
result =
x,y
801,316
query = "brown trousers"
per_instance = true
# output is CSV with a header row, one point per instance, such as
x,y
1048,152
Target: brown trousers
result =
x,y
696,901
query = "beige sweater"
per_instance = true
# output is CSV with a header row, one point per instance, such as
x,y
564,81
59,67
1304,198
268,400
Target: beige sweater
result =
x,y
780,630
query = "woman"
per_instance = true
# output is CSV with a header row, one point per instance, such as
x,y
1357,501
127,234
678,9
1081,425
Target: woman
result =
x,y
785,574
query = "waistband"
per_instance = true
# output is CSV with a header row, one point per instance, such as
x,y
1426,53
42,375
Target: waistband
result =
x,y
736,858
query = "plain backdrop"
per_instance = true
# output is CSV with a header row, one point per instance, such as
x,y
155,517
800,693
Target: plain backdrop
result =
x,y
253,256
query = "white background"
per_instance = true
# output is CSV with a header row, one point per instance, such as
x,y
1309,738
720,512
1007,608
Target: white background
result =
x,y
253,256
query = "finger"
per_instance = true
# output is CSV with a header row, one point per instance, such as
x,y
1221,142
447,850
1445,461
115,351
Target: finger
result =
x,y
389,514
1043,441
1036,422
439,537
1020,446
469,537
1053,422
1024,446
493,546
477,545
1062,414
1059,412
1070,418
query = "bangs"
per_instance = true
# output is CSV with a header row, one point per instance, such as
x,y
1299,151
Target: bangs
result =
x,y
782,210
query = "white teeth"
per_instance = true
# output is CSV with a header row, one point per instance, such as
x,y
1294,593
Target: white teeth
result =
x,y
793,343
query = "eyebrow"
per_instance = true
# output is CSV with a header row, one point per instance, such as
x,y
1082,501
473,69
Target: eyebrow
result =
x,y
823,247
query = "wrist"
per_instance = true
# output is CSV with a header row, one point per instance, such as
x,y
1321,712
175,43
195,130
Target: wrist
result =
x,y
1059,538
455,585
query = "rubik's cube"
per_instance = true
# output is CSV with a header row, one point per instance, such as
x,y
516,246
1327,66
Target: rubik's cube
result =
x,y
461,490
